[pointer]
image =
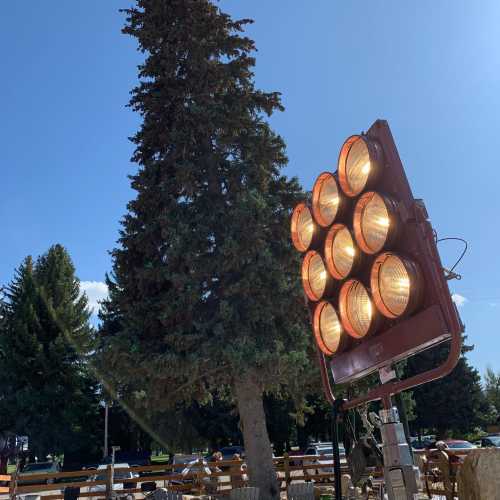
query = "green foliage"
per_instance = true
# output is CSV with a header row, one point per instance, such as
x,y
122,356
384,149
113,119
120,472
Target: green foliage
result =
x,y
46,392
492,390
453,405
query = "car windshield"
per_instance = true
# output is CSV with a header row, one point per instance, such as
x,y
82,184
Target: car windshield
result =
x,y
39,466
118,475
495,440
460,444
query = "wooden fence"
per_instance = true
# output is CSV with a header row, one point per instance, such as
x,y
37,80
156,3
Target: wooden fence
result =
x,y
288,469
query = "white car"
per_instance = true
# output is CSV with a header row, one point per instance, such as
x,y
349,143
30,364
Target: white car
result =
x,y
102,475
324,456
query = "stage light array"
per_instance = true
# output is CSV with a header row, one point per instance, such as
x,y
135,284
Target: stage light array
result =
x,y
355,281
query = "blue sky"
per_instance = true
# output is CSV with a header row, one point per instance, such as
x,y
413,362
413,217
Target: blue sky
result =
x,y
432,69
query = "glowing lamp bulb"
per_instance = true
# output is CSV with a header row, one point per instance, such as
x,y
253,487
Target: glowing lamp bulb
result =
x,y
327,328
314,276
357,315
375,222
326,200
340,253
396,285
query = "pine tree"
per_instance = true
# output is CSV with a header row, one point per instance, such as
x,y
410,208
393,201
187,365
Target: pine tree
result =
x,y
454,404
205,278
47,393
492,388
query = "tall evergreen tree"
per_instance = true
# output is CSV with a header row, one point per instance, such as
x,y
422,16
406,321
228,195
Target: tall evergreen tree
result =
x,y
46,392
206,281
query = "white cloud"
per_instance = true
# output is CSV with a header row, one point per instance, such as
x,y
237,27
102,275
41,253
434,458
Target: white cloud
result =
x,y
95,290
459,300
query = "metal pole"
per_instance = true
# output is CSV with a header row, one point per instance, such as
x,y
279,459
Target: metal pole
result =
x,y
401,476
114,449
106,412
336,408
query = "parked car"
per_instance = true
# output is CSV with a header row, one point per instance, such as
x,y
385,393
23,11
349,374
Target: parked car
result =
x,y
229,451
458,445
324,454
423,442
457,449
183,458
38,468
490,442
102,475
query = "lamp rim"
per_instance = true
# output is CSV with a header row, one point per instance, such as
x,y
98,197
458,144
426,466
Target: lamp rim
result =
x,y
328,252
394,221
296,240
316,192
344,316
416,284
305,273
317,328
375,155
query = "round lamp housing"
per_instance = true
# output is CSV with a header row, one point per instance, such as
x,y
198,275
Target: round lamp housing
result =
x,y
396,284
359,164
303,228
358,315
315,278
327,199
376,222
341,253
328,331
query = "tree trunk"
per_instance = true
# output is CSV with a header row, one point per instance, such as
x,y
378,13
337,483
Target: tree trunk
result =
x,y
259,456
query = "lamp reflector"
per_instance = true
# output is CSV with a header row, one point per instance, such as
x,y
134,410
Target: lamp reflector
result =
x,y
396,284
328,330
314,276
375,222
303,227
340,251
357,313
325,199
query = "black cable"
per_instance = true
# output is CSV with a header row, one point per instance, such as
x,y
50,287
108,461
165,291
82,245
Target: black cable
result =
x,y
351,428
461,255
336,409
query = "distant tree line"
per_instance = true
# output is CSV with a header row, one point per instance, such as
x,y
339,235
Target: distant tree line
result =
x,y
51,392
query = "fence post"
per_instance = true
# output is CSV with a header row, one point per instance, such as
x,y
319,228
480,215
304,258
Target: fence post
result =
x,y
12,487
109,481
286,467
199,477
13,481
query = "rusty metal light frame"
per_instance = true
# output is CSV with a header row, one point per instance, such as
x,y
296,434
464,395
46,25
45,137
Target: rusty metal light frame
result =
x,y
436,319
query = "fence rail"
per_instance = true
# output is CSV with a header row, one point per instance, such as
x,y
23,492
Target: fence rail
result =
x,y
304,468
